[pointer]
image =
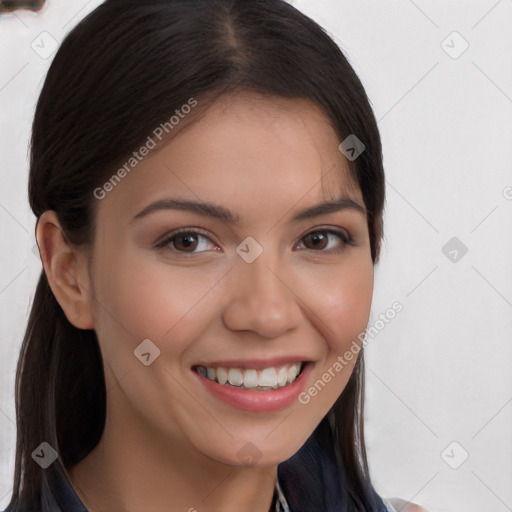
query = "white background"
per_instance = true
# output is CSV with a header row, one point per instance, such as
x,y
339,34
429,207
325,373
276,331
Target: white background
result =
x,y
440,371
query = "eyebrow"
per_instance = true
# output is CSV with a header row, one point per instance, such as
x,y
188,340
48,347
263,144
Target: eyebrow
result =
x,y
223,214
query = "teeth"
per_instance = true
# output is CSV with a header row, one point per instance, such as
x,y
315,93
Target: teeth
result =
x,y
249,378
222,375
282,377
268,377
235,377
292,373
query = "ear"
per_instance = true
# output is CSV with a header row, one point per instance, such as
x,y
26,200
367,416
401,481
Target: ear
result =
x,y
66,270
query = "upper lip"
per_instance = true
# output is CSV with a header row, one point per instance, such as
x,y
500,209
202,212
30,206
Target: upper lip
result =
x,y
257,364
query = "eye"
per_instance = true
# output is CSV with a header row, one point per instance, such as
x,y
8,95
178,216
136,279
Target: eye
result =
x,y
192,241
185,241
319,239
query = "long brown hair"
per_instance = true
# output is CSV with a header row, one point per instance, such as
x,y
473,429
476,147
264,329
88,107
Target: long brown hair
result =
x,y
122,71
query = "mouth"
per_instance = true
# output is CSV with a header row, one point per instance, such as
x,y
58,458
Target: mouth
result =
x,y
265,379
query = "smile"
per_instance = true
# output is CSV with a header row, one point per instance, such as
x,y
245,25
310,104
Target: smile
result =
x,y
249,378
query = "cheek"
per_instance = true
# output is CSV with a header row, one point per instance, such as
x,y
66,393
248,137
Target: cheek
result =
x,y
342,301
344,304
140,300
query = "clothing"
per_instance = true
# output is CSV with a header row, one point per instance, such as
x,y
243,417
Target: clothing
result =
x,y
389,506
65,496
310,478
306,482
281,503
62,496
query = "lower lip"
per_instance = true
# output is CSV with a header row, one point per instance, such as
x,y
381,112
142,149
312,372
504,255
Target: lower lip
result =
x,y
258,401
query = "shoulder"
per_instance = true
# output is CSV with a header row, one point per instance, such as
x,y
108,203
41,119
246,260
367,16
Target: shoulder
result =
x,y
406,506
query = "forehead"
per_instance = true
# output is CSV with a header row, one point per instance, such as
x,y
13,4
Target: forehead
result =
x,y
246,149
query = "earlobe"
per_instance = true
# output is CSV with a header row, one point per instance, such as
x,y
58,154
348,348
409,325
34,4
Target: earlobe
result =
x,y
66,270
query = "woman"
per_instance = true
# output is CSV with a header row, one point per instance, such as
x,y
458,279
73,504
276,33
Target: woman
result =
x,y
208,183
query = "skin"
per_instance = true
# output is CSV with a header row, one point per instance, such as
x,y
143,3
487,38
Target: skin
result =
x,y
406,506
166,439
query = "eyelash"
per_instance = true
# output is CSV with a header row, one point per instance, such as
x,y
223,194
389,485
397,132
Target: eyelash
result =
x,y
163,245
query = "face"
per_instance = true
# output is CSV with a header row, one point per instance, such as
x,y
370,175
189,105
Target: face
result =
x,y
234,296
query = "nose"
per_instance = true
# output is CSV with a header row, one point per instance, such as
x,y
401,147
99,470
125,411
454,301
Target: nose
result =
x,y
262,299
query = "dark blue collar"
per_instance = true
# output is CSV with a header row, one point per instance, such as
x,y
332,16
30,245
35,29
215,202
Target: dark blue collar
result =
x,y
61,494
310,479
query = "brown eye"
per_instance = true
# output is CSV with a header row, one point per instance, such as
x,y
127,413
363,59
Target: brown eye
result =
x,y
319,240
185,241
